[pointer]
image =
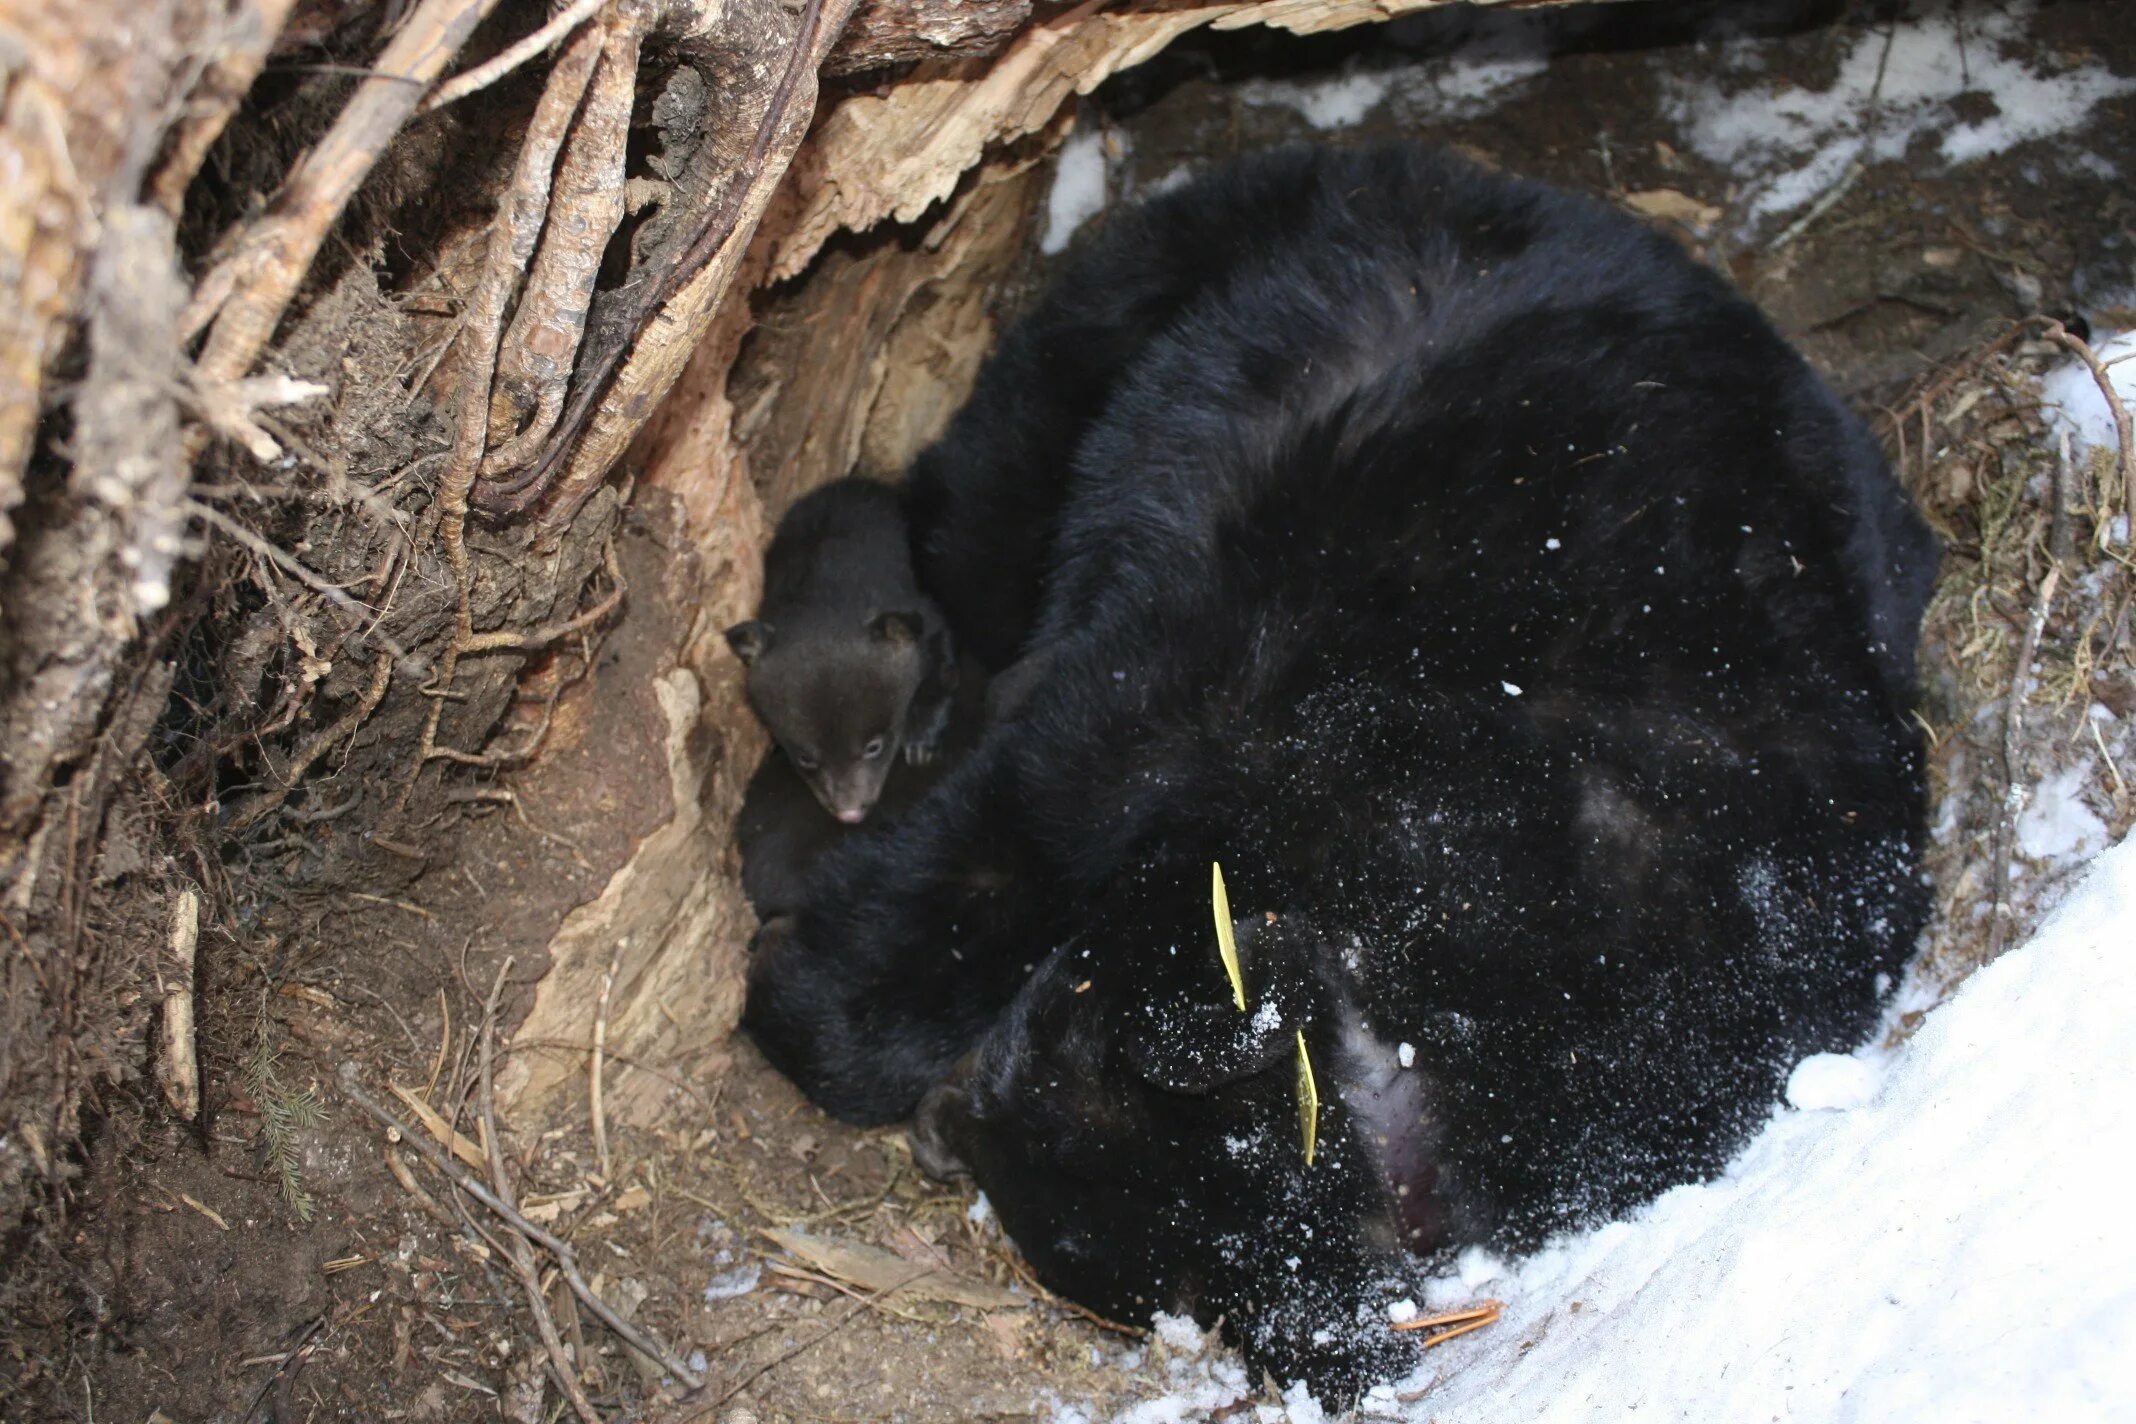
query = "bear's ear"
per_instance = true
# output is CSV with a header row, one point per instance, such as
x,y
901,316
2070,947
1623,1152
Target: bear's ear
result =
x,y
900,629
1198,1048
749,640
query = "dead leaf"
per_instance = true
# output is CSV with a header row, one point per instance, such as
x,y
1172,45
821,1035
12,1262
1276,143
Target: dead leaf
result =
x,y
1669,205
871,1268
631,1198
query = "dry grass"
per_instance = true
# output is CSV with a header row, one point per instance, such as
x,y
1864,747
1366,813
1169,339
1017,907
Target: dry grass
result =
x,y
2031,540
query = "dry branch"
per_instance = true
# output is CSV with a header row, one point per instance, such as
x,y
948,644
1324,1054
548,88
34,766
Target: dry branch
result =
x,y
238,50
577,13
517,1251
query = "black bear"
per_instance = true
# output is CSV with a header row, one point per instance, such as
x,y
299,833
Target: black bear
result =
x,y
1527,632
783,829
850,665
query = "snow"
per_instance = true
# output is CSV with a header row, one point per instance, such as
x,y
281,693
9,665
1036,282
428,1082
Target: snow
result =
x,y
2056,827
980,1212
1832,1082
1078,191
2071,394
1470,80
1935,1234
1338,103
1894,85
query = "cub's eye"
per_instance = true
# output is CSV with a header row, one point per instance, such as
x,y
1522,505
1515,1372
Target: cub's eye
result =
x,y
803,760
873,749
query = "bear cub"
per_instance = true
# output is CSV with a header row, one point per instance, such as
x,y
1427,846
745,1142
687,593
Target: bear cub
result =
x,y
849,665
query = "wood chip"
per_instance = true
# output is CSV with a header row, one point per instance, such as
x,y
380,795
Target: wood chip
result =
x,y
871,1268
1669,205
461,1146
205,1210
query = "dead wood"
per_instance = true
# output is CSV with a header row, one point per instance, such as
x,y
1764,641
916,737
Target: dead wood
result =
x,y
884,33
892,155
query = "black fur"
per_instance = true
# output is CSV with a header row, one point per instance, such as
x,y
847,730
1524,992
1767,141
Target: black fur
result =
x,y
1521,624
850,664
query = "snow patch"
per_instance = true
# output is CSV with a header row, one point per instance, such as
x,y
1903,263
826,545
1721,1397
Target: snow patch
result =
x,y
1078,192
2072,396
2057,828
1894,85
1338,103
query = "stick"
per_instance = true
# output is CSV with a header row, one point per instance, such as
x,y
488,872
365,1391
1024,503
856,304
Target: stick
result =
x,y
2013,786
566,1258
489,72
600,1051
516,1249
181,1063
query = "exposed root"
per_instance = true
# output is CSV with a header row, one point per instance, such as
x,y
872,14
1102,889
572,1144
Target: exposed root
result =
x,y
241,301
513,56
317,746
585,205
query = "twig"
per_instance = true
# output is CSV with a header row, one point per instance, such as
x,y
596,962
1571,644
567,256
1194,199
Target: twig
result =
x,y
516,1250
490,71
2124,427
1459,1330
2013,782
566,1258
296,569
1484,1310
296,1356
1826,201
600,1052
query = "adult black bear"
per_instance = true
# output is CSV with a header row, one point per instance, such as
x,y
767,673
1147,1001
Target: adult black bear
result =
x,y
1529,634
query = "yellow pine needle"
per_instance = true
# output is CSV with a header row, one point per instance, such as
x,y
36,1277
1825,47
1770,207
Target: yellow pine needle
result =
x,y
1226,947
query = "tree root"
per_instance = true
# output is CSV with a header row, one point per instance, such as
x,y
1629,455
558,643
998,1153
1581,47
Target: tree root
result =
x,y
241,301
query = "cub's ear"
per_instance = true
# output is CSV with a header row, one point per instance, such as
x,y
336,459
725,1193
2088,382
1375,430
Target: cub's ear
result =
x,y
899,629
1198,1048
749,640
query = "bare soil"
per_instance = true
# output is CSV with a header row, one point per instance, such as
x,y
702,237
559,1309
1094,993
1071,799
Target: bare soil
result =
x,y
178,1275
